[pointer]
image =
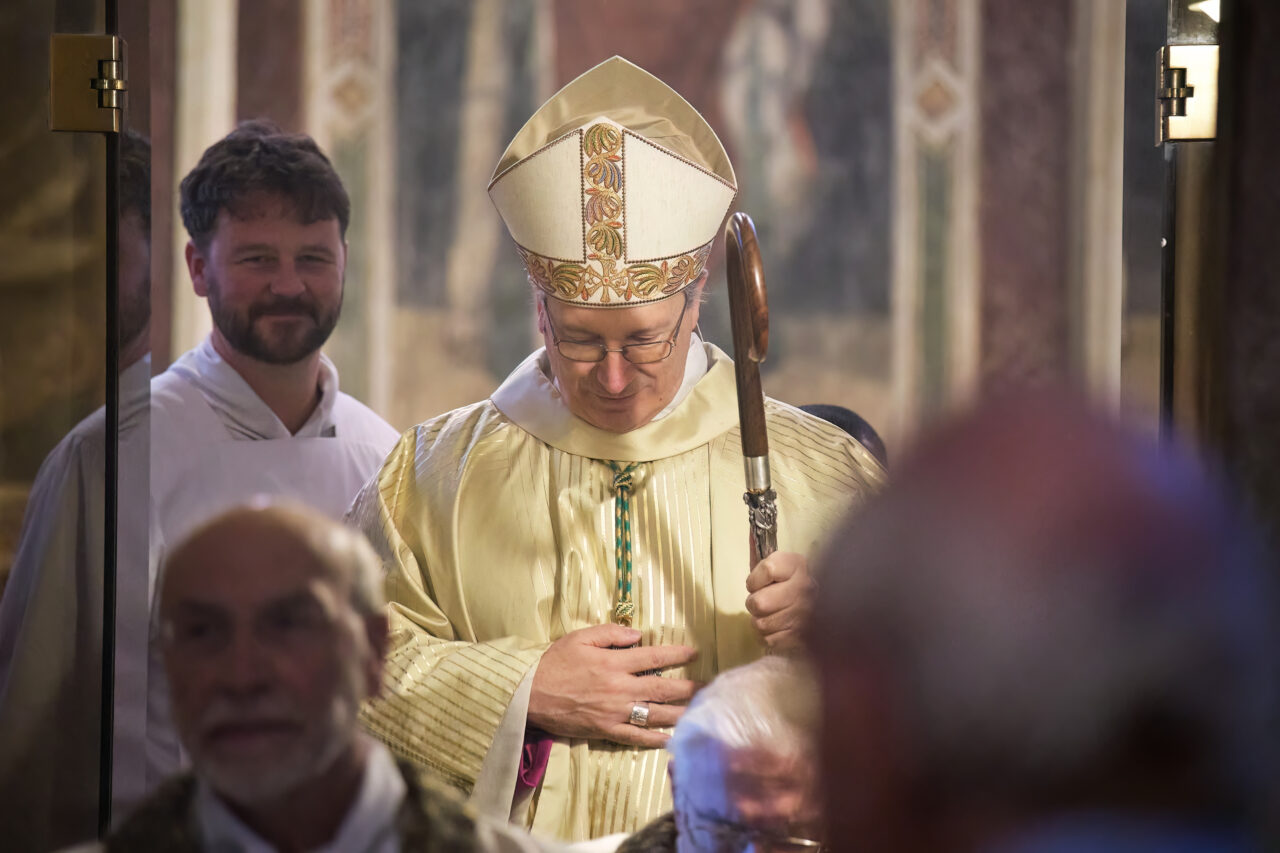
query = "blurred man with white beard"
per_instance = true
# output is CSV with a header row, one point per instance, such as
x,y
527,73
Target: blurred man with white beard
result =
x,y
273,634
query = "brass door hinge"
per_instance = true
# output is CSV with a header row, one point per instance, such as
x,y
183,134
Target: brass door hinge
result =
x,y
86,82
1187,93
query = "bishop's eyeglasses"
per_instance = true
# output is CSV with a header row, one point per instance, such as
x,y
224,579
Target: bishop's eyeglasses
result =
x,y
643,353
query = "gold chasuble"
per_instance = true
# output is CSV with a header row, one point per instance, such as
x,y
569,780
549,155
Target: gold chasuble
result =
x,y
497,524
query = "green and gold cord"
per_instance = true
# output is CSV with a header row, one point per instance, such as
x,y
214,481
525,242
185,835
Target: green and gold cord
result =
x,y
625,608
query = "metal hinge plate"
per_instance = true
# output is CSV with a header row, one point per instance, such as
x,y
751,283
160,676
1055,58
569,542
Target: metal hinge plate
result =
x,y
87,82
1187,93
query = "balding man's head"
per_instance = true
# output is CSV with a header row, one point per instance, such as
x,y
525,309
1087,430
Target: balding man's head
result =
x,y
273,635
338,552
743,770
1043,611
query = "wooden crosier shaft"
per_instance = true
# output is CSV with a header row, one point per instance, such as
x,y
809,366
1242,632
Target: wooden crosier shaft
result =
x,y
749,316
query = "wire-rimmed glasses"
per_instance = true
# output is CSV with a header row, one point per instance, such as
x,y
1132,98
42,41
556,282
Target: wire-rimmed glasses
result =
x,y
642,353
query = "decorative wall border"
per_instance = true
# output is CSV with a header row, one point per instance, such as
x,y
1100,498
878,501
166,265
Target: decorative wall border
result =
x,y
934,295
204,112
1097,271
349,108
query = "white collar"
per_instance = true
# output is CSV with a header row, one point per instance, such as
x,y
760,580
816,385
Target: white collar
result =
x,y
368,826
243,411
531,400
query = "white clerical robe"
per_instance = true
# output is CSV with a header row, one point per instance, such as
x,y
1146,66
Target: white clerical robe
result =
x,y
496,525
204,443
51,629
216,444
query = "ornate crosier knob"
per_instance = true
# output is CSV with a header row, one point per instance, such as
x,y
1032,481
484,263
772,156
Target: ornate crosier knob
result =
x,y
762,513
762,509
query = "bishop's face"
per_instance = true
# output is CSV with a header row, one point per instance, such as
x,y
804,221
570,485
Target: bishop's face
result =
x,y
615,394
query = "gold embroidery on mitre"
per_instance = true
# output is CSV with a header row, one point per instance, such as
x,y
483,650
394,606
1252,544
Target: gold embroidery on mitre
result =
x,y
602,186
571,281
604,273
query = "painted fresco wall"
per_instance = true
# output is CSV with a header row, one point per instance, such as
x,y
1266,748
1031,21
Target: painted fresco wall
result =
x,y
801,95
884,148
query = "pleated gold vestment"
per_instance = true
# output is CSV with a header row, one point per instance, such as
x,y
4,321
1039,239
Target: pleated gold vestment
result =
x,y
496,522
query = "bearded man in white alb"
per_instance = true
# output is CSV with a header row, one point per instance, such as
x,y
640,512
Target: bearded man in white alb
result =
x,y
255,408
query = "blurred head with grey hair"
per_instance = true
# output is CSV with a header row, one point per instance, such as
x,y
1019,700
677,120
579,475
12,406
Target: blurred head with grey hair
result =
x,y
1045,615
273,635
743,769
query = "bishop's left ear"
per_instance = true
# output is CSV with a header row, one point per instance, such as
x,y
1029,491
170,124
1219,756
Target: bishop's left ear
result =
x,y
542,315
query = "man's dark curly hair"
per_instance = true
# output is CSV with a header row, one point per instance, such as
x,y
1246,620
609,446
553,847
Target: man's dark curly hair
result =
x,y
258,157
135,177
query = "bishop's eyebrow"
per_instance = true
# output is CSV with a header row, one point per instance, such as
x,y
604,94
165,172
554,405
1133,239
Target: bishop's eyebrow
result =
x,y
578,333
570,330
649,331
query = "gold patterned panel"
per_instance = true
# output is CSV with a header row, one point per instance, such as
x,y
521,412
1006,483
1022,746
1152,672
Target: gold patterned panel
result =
x,y
570,281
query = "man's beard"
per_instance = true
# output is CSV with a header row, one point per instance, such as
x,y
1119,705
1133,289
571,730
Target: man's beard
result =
x,y
242,331
309,757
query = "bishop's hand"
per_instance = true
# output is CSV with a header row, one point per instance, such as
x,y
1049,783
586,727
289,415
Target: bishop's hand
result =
x,y
780,597
586,686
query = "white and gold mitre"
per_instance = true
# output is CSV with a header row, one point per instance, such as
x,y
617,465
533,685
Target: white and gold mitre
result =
x,y
614,190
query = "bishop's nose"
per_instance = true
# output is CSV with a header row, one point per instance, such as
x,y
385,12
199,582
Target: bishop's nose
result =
x,y
614,373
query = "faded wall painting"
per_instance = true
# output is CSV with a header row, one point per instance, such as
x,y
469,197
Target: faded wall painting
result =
x,y
800,94
879,145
